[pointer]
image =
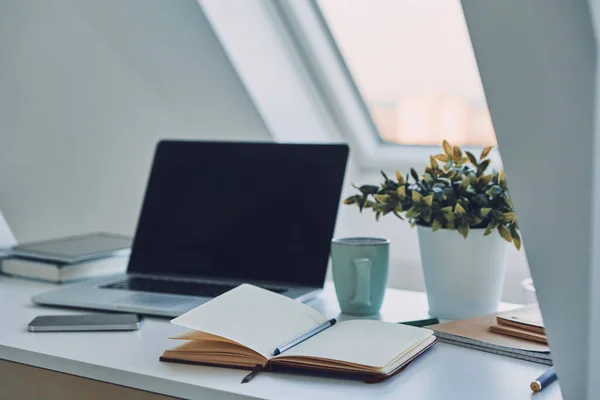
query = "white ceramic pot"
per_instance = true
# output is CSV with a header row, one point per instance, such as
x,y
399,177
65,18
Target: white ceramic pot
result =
x,y
463,277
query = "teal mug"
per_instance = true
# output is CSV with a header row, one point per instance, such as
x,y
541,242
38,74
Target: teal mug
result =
x,y
360,268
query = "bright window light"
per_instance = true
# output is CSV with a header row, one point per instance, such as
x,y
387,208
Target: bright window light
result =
x,y
414,66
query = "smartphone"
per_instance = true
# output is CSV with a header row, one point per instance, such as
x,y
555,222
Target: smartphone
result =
x,y
86,322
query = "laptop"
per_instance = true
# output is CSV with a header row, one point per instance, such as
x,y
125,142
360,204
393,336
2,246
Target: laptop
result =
x,y
219,214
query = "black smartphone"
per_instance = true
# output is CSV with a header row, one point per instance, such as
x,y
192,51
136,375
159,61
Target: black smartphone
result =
x,y
86,322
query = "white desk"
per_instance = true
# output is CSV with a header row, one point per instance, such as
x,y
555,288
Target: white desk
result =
x,y
131,359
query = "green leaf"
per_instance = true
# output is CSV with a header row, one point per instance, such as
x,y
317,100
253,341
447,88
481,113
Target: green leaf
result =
x,y
428,199
517,241
398,215
414,174
483,166
450,225
416,196
368,189
384,176
486,151
508,200
398,208
472,158
368,204
377,215
447,210
458,209
413,212
436,225
505,233
485,211
490,228
463,228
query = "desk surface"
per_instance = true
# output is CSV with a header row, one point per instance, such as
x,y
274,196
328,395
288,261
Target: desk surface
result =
x,y
131,359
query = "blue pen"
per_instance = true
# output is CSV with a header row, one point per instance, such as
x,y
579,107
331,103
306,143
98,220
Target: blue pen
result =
x,y
302,338
544,380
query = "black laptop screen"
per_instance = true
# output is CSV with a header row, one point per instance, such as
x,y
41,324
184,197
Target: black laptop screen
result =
x,y
248,211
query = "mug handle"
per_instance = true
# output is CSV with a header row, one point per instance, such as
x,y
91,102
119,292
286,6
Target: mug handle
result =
x,y
362,293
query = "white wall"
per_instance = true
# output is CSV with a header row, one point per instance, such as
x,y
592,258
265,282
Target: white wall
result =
x,y
88,87
86,90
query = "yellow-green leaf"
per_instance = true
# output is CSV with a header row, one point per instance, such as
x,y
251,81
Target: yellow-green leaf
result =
x,y
465,182
368,204
486,151
457,153
434,164
450,225
401,192
350,200
413,213
428,199
398,208
502,179
399,177
464,229
442,157
458,209
509,216
382,198
436,225
416,196
490,228
447,148
447,210
449,217
505,233
517,241
485,211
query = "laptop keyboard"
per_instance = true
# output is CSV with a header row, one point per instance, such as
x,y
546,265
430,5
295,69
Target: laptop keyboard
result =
x,y
175,287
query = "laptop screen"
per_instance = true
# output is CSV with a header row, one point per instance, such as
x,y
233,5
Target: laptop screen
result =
x,y
244,211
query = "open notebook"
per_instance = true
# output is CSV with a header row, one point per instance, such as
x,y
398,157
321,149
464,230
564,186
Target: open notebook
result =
x,y
242,328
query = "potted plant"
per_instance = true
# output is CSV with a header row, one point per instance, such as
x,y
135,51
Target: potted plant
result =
x,y
449,203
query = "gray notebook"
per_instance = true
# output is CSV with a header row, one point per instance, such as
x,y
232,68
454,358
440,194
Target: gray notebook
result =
x,y
75,249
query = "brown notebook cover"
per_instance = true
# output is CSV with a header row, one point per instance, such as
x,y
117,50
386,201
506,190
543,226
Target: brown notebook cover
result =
x,y
527,318
273,367
519,333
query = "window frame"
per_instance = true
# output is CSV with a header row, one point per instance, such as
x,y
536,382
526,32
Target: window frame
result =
x,y
305,73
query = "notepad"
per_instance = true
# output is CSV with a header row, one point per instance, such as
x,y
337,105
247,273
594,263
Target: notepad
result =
x,y
241,329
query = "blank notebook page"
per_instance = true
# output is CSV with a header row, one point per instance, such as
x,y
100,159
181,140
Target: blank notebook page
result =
x,y
254,317
365,342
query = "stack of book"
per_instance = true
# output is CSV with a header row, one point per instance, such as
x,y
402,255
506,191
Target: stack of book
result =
x,y
69,259
525,323
517,333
